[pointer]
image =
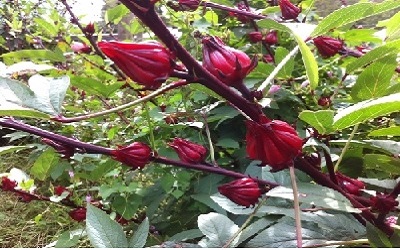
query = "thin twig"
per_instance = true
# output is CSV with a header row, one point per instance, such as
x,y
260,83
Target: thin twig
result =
x,y
346,146
297,211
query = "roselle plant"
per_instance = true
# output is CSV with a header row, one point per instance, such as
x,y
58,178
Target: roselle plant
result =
x,y
227,125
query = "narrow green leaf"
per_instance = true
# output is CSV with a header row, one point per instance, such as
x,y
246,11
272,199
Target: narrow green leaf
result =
x,y
376,237
102,231
42,167
48,27
138,240
316,195
374,81
390,48
10,149
366,110
33,54
351,14
280,54
321,120
93,86
391,131
217,228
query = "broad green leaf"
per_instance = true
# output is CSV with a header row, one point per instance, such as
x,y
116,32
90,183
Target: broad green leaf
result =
x,y
280,54
391,131
93,86
115,15
321,120
139,238
69,238
10,149
388,145
187,235
351,14
316,195
102,231
253,229
300,35
393,27
376,237
217,228
386,184
229,205
126,206
355,37
48,27
227,143
366,110
375,79
382,163
44,163
40,54
43,96
208,200
390,48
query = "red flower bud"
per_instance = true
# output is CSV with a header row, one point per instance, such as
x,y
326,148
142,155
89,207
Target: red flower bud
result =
x,y
255,36
244,192
275,142
229,65
89,29
188,151
272,37
241,6
384,203
135,155
26,197
289,10
268,58
78,214
147,63
324,101
7,184
59,190
351,185
78,47
186,5
328,46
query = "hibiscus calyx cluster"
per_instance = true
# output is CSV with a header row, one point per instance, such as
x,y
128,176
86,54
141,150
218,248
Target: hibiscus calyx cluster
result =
x,y
188,151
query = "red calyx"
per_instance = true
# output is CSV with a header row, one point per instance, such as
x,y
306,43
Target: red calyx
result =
x,y
351,185
89,29
188,151
135,155
255,36
7,184
147,63
383,203
229,65
327,46
288,10
324,101
244,192
78,214
272,37
275,142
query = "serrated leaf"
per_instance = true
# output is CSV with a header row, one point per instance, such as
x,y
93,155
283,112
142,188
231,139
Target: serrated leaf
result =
x,y
390,48
376,237
386,184
186,235
40,54
138,240
351,14
366,110
116,13
10,149
209,201
316,195
44,96
388,145
253,229
217,228
375,79
393,28
102,231
382,163
391,131
321,120
44,163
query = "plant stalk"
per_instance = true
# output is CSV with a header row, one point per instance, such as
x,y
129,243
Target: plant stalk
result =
x,y
297,211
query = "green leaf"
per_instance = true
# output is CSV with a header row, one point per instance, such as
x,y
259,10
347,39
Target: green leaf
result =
x,y
126,206
44,95
386,184
393,27
253,229
93,86
366,110
390,48
69,239
382,163
308,58
39,54
48,27
228,143
217,228
376,237
102,230
351,14
10,149
115,15
321,120
316,195
208,200
44,163
388,145
280,54
138,240
391,131
375,79
186,235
